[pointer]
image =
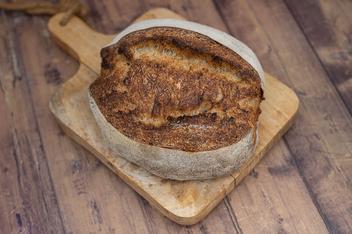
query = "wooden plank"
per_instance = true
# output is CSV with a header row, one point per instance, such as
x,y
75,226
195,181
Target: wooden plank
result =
x,y
321,138
28,203
328,26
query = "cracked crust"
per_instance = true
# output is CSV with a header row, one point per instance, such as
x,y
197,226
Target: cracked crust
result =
x,y
177,89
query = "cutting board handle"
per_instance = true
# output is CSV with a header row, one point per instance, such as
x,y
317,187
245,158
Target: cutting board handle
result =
x,y
79,40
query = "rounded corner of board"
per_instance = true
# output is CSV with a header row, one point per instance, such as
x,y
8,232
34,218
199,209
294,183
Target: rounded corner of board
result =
x,y
187,220
54,20
295,102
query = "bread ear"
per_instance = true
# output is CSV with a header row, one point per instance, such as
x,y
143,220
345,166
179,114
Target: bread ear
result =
x,y
219,36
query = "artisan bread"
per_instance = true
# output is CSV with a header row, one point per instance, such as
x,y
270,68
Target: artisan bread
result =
x,y
179,99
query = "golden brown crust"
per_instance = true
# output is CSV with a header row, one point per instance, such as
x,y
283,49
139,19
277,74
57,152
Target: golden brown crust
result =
x,y
177,89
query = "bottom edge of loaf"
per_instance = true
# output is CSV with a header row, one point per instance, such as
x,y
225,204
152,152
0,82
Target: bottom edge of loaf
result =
x,y
176,164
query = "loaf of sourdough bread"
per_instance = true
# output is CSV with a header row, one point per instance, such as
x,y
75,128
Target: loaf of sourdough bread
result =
x,y
179,99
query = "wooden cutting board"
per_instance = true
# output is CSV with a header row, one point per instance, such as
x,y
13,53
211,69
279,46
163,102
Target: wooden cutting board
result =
x,y
183,202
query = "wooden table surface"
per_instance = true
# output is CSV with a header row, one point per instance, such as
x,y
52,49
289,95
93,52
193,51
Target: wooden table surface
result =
x,y
49,184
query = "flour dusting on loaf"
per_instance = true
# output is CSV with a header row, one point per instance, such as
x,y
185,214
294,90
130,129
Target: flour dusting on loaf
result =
x,y
179,99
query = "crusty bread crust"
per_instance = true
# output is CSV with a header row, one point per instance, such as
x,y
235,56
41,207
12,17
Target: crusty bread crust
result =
x,y
179,99
178,89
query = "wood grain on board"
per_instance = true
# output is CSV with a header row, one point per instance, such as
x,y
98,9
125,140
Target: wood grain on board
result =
x,y
183,202
280,195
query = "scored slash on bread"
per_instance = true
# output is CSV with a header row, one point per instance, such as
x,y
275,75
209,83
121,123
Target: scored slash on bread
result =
x,y
179,99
